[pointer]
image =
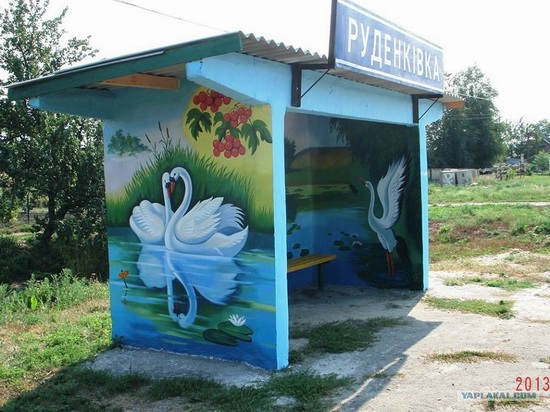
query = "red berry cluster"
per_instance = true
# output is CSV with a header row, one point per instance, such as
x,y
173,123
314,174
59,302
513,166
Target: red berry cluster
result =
x,y
230,147
239,115
210,99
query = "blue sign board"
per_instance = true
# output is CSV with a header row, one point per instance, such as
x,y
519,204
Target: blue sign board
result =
x,y
369,44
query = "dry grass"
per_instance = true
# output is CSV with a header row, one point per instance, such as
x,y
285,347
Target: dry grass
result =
x,y
472,356
520,264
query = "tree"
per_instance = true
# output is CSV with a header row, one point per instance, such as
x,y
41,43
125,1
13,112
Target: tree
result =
x,y
468,137
54,157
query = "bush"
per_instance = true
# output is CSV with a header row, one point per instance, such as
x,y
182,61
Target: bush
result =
x,y
541,161
57,291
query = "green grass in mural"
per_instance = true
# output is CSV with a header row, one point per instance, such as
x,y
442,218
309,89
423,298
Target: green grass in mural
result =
x,y
208,180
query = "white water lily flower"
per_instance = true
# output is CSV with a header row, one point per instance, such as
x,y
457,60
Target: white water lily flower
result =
x,y
237,320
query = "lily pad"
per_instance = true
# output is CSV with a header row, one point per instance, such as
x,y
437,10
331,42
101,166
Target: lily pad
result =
x,y
239,332
220,337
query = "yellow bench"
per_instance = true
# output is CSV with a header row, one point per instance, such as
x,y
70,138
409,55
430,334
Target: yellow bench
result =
x,y
308,261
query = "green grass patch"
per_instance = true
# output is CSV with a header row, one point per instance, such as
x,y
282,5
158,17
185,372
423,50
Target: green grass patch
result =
x,y
42,296
308,391
502,309
50,324
470,231
472,356
512,403
535,188
342,336
506,284
78,389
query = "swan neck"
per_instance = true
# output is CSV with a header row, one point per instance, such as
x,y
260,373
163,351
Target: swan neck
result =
x,y
188,190
167,204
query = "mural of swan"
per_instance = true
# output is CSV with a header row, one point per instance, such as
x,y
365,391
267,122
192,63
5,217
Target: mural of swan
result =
x,y
390,194
149,220
210,228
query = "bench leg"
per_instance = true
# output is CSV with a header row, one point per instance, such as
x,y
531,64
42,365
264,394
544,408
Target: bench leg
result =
x,y
320,276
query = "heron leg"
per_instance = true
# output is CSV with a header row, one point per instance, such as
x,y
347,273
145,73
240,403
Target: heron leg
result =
x,y
389,261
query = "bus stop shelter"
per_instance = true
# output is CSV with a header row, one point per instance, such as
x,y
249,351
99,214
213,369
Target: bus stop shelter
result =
x,y
228,159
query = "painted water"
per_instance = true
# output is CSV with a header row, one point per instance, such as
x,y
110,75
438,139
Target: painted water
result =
x,y
360,261
210,306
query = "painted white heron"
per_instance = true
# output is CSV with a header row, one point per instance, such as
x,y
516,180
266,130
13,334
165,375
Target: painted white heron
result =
x,y
390,194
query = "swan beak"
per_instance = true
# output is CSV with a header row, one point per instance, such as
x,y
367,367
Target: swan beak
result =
x,y
172,187
362,180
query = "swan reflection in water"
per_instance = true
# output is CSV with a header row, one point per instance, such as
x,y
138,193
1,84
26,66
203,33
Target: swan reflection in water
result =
x,y
183,275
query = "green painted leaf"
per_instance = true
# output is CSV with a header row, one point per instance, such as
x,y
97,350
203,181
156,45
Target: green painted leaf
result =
x,y
251,138
239,332
220,337
198,122
262,131
222,130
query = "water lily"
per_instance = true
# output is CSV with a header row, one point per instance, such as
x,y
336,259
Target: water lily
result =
x,y
237,320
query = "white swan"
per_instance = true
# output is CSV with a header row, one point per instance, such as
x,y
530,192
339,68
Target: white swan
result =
x,y
208,229
149,220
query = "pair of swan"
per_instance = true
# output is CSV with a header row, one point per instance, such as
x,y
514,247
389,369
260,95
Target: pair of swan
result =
x,y
210,228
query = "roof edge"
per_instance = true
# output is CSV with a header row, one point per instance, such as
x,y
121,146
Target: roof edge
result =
x,y
124,65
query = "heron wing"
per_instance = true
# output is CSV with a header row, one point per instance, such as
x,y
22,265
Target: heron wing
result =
x,y
200,223
390,191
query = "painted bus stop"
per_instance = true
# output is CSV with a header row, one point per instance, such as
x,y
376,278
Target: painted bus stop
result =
x,y
227,157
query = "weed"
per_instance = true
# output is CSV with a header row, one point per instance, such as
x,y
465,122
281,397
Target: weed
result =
x,y
513,403
502,309
343,336
471,356
307,390
59,291
506,284
510,284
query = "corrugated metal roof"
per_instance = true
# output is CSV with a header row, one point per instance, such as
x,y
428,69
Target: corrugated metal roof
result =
x,y
251,45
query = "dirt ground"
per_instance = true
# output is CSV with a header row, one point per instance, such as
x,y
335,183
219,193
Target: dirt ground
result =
x,y
406,379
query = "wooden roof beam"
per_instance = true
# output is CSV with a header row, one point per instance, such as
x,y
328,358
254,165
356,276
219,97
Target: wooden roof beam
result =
x,y
146,81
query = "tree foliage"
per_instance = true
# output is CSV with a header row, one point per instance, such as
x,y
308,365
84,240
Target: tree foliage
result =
x,y
468,137
56,158
523,138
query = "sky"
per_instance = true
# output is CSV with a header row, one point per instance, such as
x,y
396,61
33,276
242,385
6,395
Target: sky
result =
x,y
507,40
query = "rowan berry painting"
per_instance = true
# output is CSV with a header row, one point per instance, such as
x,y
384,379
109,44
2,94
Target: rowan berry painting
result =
x,y
190,212
353,189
